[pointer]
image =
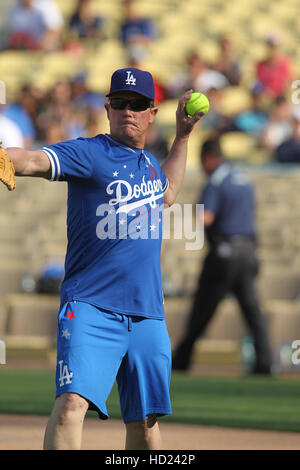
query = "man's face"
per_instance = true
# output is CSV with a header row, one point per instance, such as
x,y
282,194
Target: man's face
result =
x,y
209,163
26,3
273,51
129,126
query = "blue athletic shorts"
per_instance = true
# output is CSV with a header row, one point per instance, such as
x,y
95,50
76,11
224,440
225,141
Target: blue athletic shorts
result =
x,y
95,347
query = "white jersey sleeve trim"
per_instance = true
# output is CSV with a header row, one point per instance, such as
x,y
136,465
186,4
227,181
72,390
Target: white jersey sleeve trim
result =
x,y
52,164
54,160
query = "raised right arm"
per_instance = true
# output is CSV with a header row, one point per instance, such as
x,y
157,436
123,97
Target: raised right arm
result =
x,y
30,162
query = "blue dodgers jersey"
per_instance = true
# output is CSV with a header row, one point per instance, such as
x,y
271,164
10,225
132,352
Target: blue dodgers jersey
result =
x,y
114,224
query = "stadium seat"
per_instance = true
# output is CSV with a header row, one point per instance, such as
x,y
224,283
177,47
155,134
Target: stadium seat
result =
x,y
194,147
108,9
60,64
16,69
154,9
166,114
237,145
15,61
208,50
234,99
66,7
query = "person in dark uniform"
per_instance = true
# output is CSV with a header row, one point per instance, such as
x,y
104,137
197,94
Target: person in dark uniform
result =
x,y
231,264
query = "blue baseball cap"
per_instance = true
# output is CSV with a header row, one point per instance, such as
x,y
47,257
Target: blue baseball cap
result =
x,y
131,79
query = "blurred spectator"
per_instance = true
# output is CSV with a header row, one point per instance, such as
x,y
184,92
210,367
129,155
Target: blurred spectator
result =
x,y
227,64
19,116
279,126
53,20
160,89
156,143
254,119
54,132
82,97
61,111
57,107
60,97
28,29
198,77
76,126
93,125
24,111
84,24
89,106
10,133
275,72
32,101
289,150
135,32
215,121
51,13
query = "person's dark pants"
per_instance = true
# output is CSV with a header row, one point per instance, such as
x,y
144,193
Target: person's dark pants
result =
x,y
229,267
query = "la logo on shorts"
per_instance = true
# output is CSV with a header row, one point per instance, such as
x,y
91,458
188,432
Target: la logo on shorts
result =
x,y
64,375
130,80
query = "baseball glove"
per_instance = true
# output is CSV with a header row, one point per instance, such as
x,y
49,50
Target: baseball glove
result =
x,y
7,170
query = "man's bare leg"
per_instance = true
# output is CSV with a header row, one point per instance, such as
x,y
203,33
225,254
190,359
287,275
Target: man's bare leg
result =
x,y
64,428
143,434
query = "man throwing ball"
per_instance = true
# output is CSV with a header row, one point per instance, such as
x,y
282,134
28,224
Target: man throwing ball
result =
x,y
111,321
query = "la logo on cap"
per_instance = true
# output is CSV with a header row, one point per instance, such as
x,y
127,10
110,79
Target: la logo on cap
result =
x,y
130,80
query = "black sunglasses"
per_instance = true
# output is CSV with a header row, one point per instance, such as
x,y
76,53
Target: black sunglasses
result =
x,y
138,104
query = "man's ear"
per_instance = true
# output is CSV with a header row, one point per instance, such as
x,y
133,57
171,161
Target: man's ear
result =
x,y
153,113
106,106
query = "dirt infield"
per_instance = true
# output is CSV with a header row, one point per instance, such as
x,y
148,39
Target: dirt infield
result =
x,y
26,433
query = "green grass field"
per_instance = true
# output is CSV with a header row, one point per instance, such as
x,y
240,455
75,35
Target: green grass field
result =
x,y
257,403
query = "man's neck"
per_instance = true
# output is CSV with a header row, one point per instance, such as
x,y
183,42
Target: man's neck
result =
x,y
128,142
216,167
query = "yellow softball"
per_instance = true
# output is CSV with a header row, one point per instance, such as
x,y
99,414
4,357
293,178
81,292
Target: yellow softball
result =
x,y
196,104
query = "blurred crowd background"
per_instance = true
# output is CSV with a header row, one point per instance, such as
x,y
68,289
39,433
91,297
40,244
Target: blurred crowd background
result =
x,y
56,59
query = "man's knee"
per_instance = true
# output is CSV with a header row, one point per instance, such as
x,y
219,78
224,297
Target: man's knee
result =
x,y
70,408
142,428
151,420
